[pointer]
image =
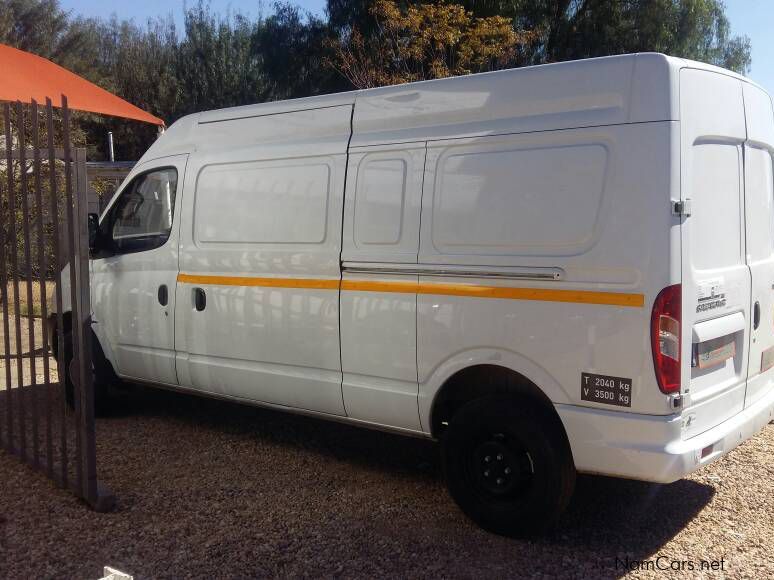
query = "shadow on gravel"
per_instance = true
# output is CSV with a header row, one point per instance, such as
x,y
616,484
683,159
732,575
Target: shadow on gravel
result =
x,y
623,522
610,524
375,450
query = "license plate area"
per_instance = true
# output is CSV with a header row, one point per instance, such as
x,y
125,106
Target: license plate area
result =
x,y
715,352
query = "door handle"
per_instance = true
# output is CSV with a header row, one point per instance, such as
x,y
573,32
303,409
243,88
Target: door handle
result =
x,y
756,315
200,299
163,295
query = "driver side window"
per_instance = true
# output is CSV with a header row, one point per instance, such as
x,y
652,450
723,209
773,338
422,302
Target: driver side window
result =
x,y
141,219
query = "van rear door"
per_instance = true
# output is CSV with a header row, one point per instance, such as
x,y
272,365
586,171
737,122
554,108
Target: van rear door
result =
x,y
716,279
759,212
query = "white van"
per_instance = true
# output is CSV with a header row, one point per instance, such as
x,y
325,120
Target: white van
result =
x,y
557,269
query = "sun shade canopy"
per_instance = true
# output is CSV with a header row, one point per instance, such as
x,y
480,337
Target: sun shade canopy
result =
x,y
25,77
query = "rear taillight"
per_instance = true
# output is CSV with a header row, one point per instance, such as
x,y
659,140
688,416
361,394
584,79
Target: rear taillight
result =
x,y
665,338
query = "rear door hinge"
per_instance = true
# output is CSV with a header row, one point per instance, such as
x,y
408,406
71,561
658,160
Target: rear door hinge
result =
x,y
681,207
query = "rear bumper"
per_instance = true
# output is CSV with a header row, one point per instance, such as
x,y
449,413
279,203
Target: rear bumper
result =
x,y
651,448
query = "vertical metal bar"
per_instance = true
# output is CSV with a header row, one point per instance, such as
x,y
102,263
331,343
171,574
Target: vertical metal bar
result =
x,y
72,234
42,270
111,150
56,240
32,387
7,231
15,276
87,426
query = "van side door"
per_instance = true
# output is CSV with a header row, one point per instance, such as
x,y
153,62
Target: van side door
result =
x,y
379,280
759,211
134,274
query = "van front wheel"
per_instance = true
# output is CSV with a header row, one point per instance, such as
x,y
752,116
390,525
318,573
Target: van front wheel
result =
x,y
104,376
507,466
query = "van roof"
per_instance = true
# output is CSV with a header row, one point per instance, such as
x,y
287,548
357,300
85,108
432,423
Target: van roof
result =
x,y
600,91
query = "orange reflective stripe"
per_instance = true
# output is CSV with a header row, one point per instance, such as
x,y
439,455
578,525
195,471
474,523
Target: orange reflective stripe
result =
x,y
541,294
433,288
502,292
378,286
311,283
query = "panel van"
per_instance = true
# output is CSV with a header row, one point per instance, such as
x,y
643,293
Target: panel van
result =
x,y
553,270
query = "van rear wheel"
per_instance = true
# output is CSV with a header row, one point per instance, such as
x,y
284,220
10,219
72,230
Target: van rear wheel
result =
x,y
508,466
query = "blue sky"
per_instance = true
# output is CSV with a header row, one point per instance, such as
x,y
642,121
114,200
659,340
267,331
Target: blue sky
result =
x,y
755,18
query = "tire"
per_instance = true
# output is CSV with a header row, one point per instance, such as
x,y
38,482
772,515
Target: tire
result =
x,y
68,359
508,466
104,375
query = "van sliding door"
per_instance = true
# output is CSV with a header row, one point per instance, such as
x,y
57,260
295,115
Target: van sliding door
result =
x,y
379,278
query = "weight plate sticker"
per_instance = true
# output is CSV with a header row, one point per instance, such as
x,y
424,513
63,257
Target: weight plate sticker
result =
x,y
606,389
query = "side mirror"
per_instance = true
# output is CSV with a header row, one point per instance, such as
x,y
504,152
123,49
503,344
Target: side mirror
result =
x,y
93,230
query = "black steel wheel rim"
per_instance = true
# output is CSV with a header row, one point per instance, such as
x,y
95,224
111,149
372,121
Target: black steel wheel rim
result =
x,y
500,468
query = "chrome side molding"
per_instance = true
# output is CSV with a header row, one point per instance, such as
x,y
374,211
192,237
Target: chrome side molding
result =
x,y
447,270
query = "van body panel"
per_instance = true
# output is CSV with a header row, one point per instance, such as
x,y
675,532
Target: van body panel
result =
x,y
651,448
758,115
181,138
300,130
379,348
565,339
276,108
655,90
488,197
382,209
716,279
357,251
507,232
566,95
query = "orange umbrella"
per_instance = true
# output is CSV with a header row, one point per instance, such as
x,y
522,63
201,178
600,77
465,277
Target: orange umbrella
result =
x,y
26,77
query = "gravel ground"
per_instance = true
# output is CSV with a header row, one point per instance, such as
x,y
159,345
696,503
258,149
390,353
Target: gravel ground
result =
x,y
213,489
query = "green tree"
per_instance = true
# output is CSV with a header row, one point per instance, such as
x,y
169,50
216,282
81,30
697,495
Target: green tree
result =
x,y
43,28
293,49
424,41
217,65
139,64
572,29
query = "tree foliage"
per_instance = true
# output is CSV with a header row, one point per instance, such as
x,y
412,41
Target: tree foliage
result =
x,y
43,28
218,61
425,41
293,49
572,29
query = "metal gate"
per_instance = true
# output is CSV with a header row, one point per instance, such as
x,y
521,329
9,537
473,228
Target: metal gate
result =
x,y
44,290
